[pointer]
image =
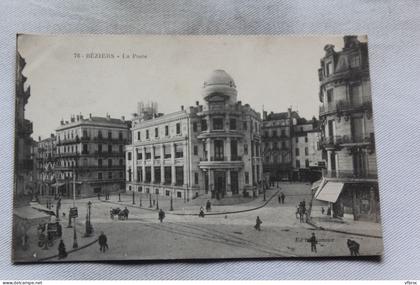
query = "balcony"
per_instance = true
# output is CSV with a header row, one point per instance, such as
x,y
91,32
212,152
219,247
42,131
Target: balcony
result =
x,y
347,140
102,139
221,134
352,74
107,154
68,141
367,174
344,106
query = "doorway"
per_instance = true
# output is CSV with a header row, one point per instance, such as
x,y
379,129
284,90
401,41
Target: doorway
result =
x,y
219,184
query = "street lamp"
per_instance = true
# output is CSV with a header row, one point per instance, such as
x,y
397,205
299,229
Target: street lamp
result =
x,y
75,245
134,201
89,228
157,201
172,203
140,204
119,197
150,200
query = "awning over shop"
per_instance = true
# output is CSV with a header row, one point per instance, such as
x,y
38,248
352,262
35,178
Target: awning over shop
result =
x,y
329,191
41,208
30,215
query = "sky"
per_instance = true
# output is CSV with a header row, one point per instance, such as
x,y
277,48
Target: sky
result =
x,y
270,72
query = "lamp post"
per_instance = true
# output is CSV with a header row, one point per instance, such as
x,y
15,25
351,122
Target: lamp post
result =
x,y
134,201
88,228
75,245
150,200
172,203
119,197
140,204
157,201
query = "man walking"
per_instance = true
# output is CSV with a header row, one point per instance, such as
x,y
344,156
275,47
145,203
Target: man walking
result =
x,y
313,242
258,224
282,197
62,253
103,245
353,247
161,215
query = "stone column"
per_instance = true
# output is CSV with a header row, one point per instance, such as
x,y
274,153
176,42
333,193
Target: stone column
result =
x,y
173,163
227,149
208,147
228,184
162,169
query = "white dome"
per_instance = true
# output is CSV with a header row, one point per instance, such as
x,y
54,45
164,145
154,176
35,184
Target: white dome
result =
x,y
221,83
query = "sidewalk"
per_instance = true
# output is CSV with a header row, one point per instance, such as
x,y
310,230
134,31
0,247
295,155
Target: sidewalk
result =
x,y
344,225
35,253
189,208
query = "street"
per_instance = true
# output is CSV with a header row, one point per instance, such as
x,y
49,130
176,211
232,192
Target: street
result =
x,y
180,236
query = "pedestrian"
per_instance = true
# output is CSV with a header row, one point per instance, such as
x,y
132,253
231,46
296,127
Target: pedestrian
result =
x,y
279,199
99,196
208,206
353,247
282,197
322,210
103,245
258,224
329,211
297,211
313,242
62,253
126,212
161,215
201,214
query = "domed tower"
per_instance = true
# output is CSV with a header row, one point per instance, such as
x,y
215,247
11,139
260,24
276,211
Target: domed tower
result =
x,y
230,139
219,85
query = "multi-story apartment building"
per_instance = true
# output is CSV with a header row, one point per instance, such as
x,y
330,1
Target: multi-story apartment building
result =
x,y
23,131
350,183
44,155
90,155
308,159
277,136
210,150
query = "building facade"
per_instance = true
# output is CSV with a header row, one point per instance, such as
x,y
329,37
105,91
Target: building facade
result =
x,y
210,150
90,155
277,137
45,157
308,158
347,131
23,130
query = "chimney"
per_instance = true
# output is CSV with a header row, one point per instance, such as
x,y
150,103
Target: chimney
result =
x,y
52,135
81,117
182,107
122,118
72,118
77,117
39,138
264,115
289,111
62,122
90,115
197,103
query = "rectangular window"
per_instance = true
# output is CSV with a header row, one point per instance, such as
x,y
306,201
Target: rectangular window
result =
x,y
245,126
218,150
306,139
109,148
121,148
109,135
178,128
166,130
100,134
167,151
194,126
297,163
157,174
274,133
128,155
156,132
355,61
120,135
139,155
283,145
109,162
234,149
138,135
85,149
148,154
168,175
283,132
246,177
99,148
329,68
179,194
297,151
147,134
157,152
100,175
85,134
195,150
232,124
148,177
109,175
195,178
179,151
167,192
297,139
179,175
121,174
307,163
306,151
218,124
99,162
204,125
246,149
330,93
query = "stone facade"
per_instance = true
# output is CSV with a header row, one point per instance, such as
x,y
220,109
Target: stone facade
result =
x,y
347,128
44,156
210,150
90,155
23,130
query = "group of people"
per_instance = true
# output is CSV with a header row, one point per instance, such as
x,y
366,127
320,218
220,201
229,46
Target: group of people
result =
x,y
302,212
352,245
102,240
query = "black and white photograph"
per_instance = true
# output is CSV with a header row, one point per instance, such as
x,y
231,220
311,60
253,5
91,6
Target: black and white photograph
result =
x,y
171,147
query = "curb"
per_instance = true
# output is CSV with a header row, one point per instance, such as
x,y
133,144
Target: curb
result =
x,y
207,214
70,251
341,232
